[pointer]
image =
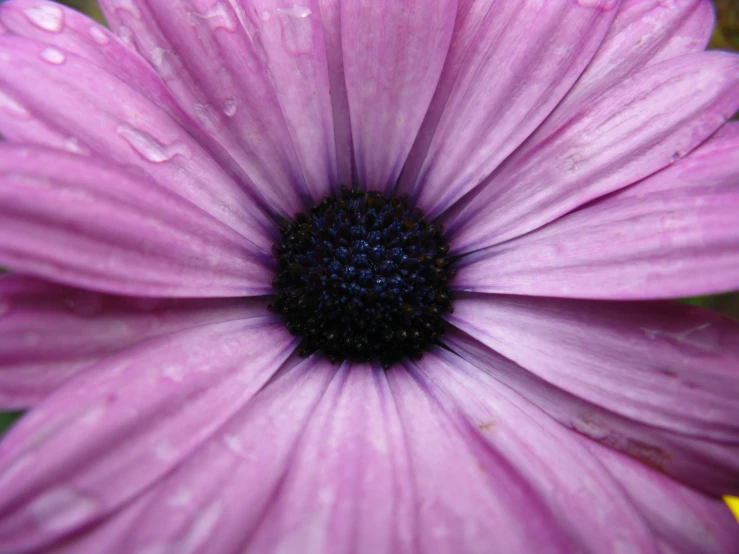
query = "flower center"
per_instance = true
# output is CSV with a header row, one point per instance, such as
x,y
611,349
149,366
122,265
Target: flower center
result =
x,y
363,277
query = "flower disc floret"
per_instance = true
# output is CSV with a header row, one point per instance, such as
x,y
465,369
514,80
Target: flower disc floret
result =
x,y
363,277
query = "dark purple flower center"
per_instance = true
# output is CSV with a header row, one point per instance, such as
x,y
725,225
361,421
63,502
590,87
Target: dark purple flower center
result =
x,y
363,277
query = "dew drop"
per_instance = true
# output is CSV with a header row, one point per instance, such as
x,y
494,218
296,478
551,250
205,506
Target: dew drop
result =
x,y
52,55
98,35
47,17
230,106
590,426
72,144
125,34
10,105
128,6
62,509
234,444
157,57
220,17
150,148
265,15
295,11
173,372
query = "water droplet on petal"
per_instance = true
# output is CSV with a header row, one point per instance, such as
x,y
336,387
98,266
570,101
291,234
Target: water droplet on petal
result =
x,y
230,106
12,106
265,15
47,17
52,55
72,144
150,148
591,426
62,509
220,17
128,6
295,11
98,35
125,34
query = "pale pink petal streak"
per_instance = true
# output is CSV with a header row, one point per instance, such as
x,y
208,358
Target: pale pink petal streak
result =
x,y
255,76
673,234
498,85
684,520
194,511
108,103
49,333
393,57
111,433
656,380
585,504
84,223
630,131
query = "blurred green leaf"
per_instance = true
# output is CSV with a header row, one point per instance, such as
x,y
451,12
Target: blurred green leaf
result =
x,y
7,419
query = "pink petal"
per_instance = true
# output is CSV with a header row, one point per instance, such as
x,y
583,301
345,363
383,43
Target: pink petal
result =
x,y
685,520
673,234
658,381
393,54
49,333
713,166
109,104
330,461
253,75
190,510
498,85
81,222
111,433
625,134
581,500
643,33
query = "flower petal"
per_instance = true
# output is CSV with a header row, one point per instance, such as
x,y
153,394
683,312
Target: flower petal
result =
x,y
364,463
497,86
254,75
658,381
111,433
190,510
685,520
73,220
644,32
673,234
634,129
580,499
49,333
393,54
124,115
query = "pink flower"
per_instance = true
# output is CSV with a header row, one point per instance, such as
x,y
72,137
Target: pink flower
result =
x,y
576,154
